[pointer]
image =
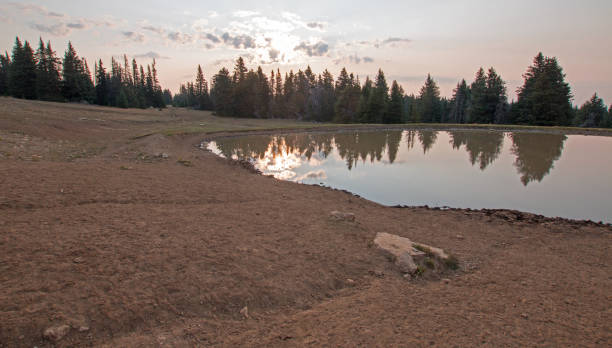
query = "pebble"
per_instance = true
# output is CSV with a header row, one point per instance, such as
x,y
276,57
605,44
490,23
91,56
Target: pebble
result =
x,y
245,311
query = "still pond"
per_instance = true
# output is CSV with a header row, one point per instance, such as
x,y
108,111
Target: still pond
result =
x,y
550,174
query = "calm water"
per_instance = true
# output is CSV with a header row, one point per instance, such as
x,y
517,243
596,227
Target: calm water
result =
x,y
548,174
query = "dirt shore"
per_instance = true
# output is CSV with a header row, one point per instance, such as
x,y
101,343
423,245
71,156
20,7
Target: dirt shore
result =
x,y
134,238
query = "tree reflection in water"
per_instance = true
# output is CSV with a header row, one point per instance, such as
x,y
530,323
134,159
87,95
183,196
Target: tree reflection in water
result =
x,y
482,147
535,152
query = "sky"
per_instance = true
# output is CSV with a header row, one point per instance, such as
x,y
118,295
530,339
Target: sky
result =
x,y
450,39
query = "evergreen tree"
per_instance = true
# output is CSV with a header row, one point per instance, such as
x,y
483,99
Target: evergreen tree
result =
x,y
496,99
460,103
263,95
201,91
102,86
348,92
395,110
5,64
592,113
478,113
366,93
379,100
429,98
22,71
221,93
545,97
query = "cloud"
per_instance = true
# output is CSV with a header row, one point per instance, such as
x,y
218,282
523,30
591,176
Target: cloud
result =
x,y
55,14
200,24
58,29
213,38
134,36
153,29
273,53
396,40
245,13
318,49
181,38
353,59
238,41
314,174
213,14
315,25
80,25
151,55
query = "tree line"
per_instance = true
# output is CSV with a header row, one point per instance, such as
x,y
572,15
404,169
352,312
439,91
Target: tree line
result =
x,y
543,100
42,75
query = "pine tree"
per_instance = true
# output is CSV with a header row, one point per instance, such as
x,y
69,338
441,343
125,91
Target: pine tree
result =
x,y
496,99
394,113
221,93
429,100
592,113
76,77
379,100
460,103
545,97
201,90
22,72
5,63
263,95
102,86
478,113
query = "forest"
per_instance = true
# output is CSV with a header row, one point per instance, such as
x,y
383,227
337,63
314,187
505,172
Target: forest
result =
x,y
544,99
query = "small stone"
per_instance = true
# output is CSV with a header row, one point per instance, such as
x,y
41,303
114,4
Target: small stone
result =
x,y
446,280
342,216
56,333
83,328
350,281
164,155
245,311
78,260
459,237
524,316
379,274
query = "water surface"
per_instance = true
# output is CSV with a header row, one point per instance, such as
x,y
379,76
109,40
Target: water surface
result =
x,y
543,173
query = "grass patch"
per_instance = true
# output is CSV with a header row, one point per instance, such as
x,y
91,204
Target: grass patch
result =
x,y
429,263
452,262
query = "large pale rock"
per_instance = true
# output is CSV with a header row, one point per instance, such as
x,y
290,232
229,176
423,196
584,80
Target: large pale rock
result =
x,y
56,333
405,253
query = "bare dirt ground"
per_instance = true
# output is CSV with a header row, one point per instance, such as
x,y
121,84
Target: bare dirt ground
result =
x,y
129,248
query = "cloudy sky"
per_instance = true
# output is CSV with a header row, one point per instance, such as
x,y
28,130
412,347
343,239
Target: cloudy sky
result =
x,y
450,39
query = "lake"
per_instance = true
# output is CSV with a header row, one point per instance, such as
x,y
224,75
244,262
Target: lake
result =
x,y
544,173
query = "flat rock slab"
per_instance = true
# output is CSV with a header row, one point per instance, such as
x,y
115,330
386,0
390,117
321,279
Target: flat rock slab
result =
x,y
406,253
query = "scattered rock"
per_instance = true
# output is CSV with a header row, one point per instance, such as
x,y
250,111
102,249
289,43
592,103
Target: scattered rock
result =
x,y
350,281
164,155
446,280
379,274
245,311
411,257
342,216
78,260
459,237
524,316
56,333
83,328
